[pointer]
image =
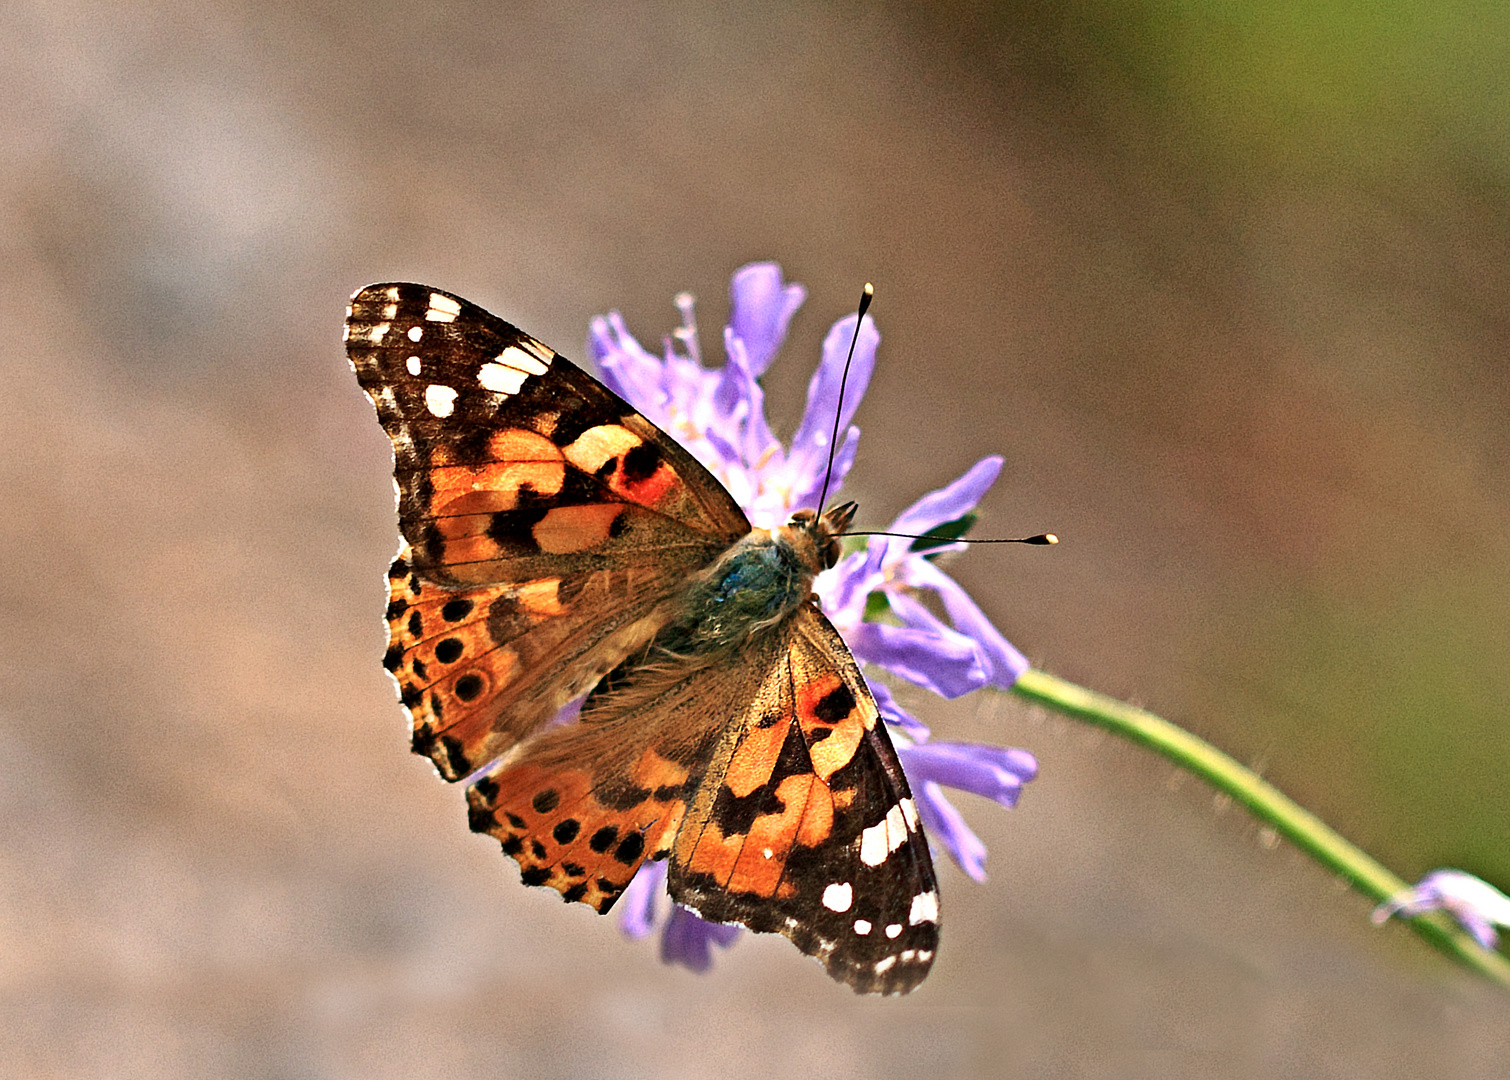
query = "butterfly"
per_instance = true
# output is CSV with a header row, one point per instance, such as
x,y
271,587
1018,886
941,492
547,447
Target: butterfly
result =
x,y
558,548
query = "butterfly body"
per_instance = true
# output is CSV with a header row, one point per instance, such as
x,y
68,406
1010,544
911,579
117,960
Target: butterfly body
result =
x,y
561,549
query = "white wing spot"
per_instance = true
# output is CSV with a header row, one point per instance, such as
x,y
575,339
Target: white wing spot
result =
x,y
416,332
909,813
894,929
378,332
838,896
862,927
925,908
413,365
884,837
883,966
442,309
440,400
524,360
500,379
766,853
390,311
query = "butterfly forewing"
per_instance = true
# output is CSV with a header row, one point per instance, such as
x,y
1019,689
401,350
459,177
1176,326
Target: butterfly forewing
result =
x,y
556,542
534,501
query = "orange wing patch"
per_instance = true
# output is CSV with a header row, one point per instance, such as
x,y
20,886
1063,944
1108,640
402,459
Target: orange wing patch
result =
x,y
481,668
581,831
773,794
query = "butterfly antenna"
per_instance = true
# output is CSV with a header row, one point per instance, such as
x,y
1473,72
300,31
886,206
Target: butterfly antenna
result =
x,y
833,443
1040,538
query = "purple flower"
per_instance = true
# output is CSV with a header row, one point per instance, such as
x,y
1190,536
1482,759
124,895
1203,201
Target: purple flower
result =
x,y
1473,902
996,772
718,414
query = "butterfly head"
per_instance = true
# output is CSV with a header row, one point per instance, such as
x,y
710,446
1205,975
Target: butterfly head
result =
x,y
826,530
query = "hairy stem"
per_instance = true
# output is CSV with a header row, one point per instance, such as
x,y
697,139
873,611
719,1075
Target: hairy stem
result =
x,y
1266,802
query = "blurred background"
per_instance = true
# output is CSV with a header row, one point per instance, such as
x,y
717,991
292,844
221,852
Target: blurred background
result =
x,y
1226,286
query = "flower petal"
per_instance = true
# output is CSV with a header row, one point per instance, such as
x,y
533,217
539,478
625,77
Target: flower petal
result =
x,y
1005,662
637,904
894,714
946,827
951,501
810,469
947,663
689,939
817,426
739,385
626,368
995,772
1472,901
762,309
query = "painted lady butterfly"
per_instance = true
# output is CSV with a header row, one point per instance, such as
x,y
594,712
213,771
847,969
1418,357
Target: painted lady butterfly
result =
x,y
557,544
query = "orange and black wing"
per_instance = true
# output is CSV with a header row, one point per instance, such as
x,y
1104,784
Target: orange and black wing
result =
x,y
803,823
544,520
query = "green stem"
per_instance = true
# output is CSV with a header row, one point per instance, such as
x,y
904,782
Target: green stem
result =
x,y
1266,802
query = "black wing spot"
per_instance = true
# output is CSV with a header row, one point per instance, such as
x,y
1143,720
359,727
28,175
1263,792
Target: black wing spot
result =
x,y
449,650
420,671
468,687
641,462
566,831
835,705
603,839
734,814
456,610
514,530
416,625
480,819
393,657
513,846
535,875
546,801
630,849
575,893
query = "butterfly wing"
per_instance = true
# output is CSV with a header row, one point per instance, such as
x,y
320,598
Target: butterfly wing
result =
x,y
770,783
804,825
544,520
